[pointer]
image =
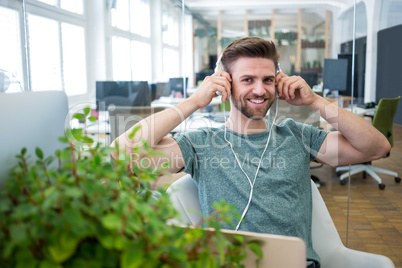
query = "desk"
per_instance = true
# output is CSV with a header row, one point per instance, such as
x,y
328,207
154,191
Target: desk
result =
x,y
361,111
171,101
356,110
342,101
198,120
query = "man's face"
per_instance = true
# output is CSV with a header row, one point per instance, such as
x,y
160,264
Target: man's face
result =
x,y
253,86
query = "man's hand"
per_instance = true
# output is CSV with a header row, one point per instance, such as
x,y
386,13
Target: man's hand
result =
x,y
294,90
218,82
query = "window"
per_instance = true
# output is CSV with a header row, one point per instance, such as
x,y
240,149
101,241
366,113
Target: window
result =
x,y
74,67
10,48
44,56
131,41
171,41
57,56
75,6
140,14
141,59
121,58
171,63
170,28
54,54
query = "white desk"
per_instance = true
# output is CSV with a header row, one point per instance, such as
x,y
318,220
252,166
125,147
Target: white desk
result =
x,y
356,110
171,101
195,121
361,111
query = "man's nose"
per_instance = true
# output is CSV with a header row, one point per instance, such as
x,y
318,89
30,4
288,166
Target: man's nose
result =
x,y
259,89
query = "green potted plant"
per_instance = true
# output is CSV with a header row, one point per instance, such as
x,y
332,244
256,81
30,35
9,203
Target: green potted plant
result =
x,y
85,210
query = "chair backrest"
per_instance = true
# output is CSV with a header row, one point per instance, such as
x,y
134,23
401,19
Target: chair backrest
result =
x,y
384,117
30,120
122,118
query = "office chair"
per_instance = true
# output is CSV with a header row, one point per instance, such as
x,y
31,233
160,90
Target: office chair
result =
x,y
122,118
326,240
384,121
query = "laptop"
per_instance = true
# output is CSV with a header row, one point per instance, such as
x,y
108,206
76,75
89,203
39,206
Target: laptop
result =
x,y
278,251
30,119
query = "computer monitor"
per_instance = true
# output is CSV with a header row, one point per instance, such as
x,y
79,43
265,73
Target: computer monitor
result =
x,y
200,76
121,93
176,84
335,74
160,89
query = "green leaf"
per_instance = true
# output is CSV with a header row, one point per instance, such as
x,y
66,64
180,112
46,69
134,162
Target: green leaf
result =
x,y
64,246
106,240
63,139
111,222
256,248
73,192
77,133
49,160
92,118
135,129
18,233
39,153
78,116
49,264
87,110
133,255
239,238
23,151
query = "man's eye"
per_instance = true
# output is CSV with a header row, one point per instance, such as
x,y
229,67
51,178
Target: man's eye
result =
x,y
247,79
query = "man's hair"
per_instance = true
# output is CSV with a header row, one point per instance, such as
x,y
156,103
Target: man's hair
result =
x,y
249,47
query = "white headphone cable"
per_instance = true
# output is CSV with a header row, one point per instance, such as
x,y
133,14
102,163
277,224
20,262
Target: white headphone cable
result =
x,y
262,155
259,163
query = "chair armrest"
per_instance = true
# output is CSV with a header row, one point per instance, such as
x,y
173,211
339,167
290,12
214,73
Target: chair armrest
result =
x,y
184,196
345,257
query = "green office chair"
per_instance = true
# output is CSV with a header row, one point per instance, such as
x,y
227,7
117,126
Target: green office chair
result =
x,y
384,121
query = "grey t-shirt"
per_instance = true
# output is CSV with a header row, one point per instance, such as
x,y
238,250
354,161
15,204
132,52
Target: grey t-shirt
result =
x,y
281,202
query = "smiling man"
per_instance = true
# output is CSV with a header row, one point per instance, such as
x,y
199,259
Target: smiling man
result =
x,y
261,168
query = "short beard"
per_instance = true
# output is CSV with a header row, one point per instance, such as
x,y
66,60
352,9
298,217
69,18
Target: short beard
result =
x,y
244,109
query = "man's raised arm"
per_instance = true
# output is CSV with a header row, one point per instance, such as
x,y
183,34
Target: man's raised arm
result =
x,y
154,128
355,141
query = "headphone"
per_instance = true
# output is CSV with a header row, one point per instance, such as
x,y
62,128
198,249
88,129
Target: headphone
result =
x,y
265,148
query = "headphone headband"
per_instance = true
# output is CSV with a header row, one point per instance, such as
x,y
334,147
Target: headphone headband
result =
x,y
218,62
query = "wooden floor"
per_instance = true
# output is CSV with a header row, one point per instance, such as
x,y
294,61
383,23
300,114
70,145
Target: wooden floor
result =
x,y
375,216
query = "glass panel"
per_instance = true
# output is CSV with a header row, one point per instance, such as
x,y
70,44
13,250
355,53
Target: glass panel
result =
x,y
141,64
121,15
170,26
49,2
11,71
74,64
372,225
391,11
121,59
44,54
76,6
140,17
171,63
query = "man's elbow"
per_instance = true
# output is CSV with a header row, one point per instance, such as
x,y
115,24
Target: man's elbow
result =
x,y
382,149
